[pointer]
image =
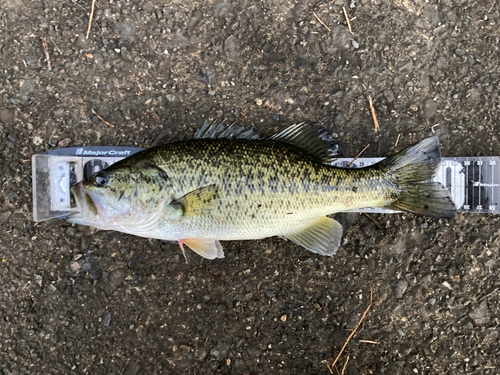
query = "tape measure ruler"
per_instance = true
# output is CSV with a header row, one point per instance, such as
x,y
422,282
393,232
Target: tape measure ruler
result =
x,y
473,182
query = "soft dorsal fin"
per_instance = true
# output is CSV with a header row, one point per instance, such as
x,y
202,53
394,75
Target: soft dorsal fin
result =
x,y
314,139
218,129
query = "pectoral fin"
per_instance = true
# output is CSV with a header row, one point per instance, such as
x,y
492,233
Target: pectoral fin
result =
x,y
321,237
205,247
196,202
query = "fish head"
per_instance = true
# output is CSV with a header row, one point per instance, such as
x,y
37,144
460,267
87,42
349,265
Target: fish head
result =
x,y
120,197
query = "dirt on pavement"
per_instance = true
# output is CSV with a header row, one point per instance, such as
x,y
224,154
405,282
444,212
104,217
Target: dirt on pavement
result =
x,y
74,300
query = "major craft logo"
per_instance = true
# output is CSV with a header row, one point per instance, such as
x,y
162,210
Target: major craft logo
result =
x,y
83,152
480,184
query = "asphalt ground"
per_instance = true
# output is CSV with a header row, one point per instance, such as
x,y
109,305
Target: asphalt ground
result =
x,y
74,300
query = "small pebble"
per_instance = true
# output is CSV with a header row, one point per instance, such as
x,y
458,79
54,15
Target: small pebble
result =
x,y
4,216
480,315
389,95
202,354
400,289
64,143
132,368
254,351
231,46
27,89
410,277
7,116
125,29
429,108
399,331
30,60
114,281
352,321
98,58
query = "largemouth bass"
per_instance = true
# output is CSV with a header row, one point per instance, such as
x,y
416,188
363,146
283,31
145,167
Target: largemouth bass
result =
x,y
227,185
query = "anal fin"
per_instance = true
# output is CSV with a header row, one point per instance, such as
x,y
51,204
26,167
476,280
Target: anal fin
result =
x,y
321,237
206,247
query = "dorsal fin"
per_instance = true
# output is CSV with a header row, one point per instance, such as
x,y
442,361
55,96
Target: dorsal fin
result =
x,y
218,129
314,139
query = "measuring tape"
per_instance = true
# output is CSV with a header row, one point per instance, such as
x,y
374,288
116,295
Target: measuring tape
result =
x,y
473,182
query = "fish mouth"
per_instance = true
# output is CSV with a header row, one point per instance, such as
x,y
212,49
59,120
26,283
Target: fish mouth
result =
x,y
87,209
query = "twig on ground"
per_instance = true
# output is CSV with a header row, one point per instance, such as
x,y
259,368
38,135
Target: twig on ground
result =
x,y
354,330
376,222
397,141
347,20
372,110
358,155
492,5
90,19
55,45
345,364
489,294
101,118
46,50
370,342
321,22
331,371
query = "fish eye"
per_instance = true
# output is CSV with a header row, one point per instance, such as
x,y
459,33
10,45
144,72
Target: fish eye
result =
x,y
100,179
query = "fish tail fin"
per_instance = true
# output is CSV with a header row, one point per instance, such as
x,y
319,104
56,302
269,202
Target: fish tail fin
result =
x,y
411,168
426,198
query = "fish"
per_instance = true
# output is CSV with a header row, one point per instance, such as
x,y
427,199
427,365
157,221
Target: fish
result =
x,y
229,184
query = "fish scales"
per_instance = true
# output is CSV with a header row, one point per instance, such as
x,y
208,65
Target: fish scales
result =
x,y
201,191
266,187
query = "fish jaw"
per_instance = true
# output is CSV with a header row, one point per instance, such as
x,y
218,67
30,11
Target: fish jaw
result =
x,y
93,211
88,206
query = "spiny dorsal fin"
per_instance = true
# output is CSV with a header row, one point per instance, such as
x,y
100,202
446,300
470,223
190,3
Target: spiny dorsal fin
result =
x,y
197,202
314,139
218,129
